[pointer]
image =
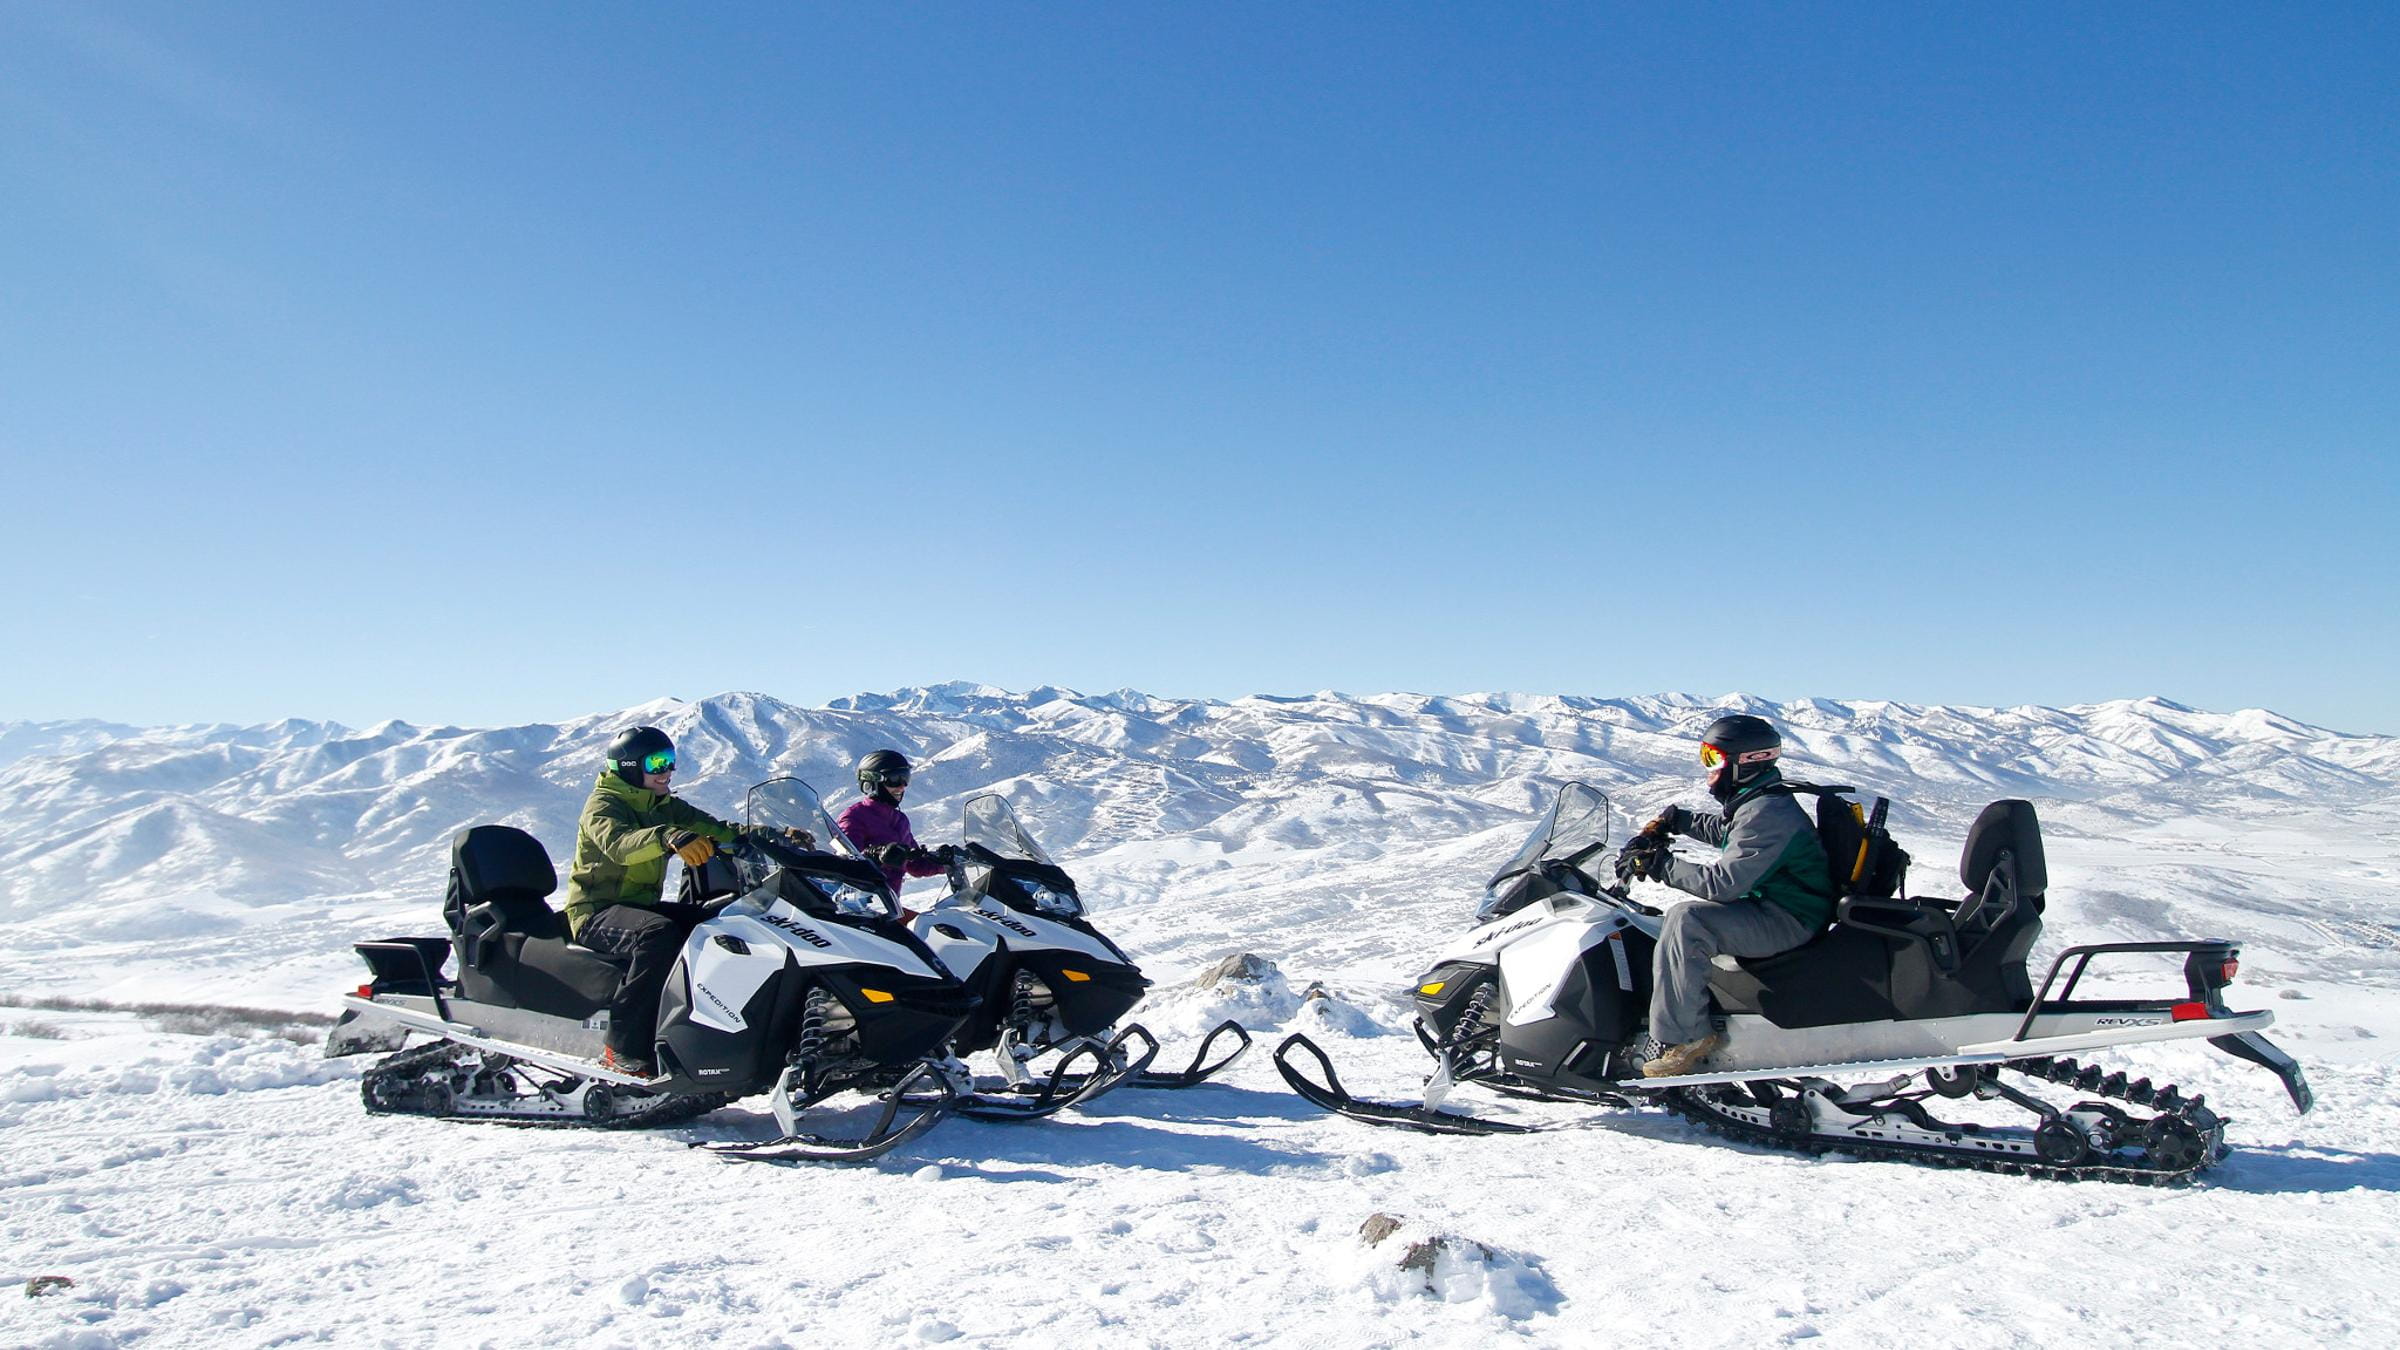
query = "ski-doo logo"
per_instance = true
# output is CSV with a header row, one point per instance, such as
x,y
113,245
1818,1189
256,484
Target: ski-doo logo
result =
x,y
1518,927
1008,923
802,931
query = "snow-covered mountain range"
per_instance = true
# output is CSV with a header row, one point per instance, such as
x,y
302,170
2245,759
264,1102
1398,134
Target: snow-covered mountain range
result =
x,y
199,852
203,1187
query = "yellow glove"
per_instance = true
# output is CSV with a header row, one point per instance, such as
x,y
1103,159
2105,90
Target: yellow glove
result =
x,y
694,849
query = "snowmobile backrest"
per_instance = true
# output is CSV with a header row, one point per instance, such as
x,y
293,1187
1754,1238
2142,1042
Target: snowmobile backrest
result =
x,y
2002,867
2006,826
496,861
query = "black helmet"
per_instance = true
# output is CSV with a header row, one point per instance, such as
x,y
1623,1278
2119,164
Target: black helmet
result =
x,y
636,751
881,769
1736,750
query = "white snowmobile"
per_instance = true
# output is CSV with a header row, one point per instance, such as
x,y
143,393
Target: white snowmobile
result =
x,y
1013,929
1910,999
802,982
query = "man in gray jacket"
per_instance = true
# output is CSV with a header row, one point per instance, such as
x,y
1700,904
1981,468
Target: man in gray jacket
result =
x,y
1768,891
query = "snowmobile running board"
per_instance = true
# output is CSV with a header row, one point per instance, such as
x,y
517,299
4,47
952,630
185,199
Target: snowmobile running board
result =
x,y
1988,1052
1331,1096
433,1024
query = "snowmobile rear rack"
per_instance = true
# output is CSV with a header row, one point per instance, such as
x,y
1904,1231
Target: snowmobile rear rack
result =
x,y
396,963
2204,958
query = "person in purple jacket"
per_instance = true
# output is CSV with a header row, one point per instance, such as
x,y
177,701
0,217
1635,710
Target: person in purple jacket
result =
x,y
879,827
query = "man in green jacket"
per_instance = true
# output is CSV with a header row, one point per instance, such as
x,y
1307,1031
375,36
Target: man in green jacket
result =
x,y
631,825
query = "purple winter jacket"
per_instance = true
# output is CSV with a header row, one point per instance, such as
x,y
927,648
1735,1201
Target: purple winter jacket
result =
x,y
872,822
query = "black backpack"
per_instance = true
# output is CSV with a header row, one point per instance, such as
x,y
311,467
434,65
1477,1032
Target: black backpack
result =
x,y
1864,857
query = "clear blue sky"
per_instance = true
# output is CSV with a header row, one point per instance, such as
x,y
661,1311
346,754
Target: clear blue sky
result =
x,y
479,363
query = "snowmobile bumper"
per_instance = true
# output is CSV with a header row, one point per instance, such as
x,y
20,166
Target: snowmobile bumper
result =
x,y
2259,1050
359,1032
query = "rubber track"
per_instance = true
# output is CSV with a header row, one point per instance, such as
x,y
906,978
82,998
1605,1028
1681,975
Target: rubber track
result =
x,y
398,1070
2084,1078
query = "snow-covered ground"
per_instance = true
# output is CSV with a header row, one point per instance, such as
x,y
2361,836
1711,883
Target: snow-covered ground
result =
x,y
206,1182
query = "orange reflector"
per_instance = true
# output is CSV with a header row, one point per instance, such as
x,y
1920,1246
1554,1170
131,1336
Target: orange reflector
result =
x,y
1076,975
2190,1012
875,995
2232,964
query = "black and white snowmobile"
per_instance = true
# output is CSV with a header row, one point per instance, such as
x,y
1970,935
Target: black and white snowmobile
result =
x,y
802,982
1046,981
1909,1000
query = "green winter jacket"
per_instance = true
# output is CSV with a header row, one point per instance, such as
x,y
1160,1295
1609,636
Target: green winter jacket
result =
x,y
621,846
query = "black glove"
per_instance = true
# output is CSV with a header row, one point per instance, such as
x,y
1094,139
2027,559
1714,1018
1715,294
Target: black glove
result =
x,y
1644,855
947,855
889,856
1668,822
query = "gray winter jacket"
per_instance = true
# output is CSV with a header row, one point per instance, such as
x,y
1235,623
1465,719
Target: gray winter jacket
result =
x,y
1771,853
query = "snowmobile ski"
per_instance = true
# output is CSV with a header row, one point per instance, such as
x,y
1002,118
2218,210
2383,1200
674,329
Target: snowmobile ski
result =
x,y
1201,1068
1331,1095
1118,1060
888,1132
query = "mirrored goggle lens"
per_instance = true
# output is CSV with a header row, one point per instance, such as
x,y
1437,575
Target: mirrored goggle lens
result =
x,y
894,780
1711,757
659,762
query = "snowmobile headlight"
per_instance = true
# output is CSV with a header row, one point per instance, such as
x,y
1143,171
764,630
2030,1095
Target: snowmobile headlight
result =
x,y
851,900
1055,902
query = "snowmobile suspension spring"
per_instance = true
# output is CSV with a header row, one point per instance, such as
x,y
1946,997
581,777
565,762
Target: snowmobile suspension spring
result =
x,y
811,1036
1021,1012
1470,1021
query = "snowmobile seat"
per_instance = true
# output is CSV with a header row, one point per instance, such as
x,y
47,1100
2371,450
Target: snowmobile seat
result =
x,y
1993,926
1842,974
1914,957
513,949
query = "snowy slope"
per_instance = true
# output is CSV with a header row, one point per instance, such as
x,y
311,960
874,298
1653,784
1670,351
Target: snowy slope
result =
x,y
215,1189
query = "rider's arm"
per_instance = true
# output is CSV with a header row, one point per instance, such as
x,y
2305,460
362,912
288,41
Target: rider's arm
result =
x,y
1753,845
621,838
1705,826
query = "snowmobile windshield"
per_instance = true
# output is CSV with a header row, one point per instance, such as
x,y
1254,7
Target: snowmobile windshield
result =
x,y
993,825
1575,829
780,805
1017,871
804,858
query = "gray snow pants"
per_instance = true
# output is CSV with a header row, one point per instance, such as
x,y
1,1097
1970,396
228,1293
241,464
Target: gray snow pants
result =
x,y
1697,931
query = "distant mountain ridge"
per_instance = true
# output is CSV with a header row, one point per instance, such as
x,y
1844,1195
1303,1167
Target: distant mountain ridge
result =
x,y
101,812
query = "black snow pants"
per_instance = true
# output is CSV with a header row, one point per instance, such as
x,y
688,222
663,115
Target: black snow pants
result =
x,y
645,939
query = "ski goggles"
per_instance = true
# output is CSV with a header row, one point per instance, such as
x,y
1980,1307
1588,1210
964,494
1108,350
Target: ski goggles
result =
x,y
659,761
1711,756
